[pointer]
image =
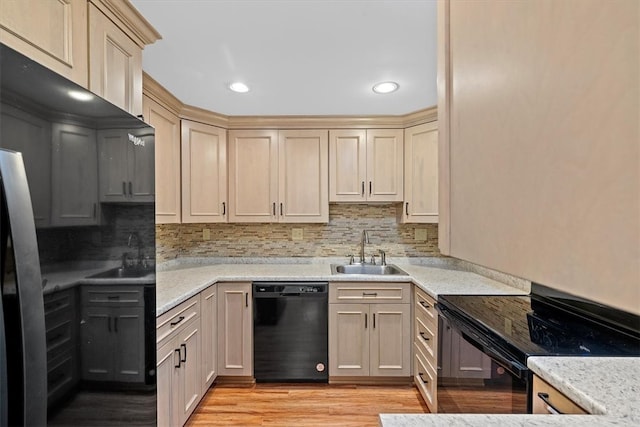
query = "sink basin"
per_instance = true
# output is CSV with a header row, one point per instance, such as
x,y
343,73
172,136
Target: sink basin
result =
x,y
122,273
385,270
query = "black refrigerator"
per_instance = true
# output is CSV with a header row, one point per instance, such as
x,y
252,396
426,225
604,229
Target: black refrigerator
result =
x,y
77,235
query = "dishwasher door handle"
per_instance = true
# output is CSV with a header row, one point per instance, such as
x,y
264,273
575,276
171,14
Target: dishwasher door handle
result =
x,y
293,294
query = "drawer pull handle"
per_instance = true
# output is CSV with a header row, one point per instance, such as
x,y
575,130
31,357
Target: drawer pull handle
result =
x,y
179,361
370,187
246,300
113,297
224,208
180,319
424,304
365,320
552,409
420,374
369,294
423,337
406,209
362,188
184,346
374,320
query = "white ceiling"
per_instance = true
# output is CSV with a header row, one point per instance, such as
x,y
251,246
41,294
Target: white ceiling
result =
x,y
304,57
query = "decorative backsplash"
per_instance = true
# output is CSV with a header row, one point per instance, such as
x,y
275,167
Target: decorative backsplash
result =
x,y
340,237
107,241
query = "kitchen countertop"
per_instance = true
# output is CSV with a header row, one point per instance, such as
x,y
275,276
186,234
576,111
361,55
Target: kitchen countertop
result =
x,y
607,387
178,285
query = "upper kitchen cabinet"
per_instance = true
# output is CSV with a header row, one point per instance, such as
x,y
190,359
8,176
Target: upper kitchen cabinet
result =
x,y
204,173
125,166
167,148
278,176
366,166
538,129
30,135
52,33
420,174
74,179
117,35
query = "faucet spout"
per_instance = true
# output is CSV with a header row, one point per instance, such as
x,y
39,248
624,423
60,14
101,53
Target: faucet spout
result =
x,y
365,239
138,241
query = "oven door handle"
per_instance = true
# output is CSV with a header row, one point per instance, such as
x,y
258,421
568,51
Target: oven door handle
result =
x,y
468,333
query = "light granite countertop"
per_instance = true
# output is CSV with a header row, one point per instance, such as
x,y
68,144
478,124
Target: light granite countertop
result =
x,y
183,281
607,387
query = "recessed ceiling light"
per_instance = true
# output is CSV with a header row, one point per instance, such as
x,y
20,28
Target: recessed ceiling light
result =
x,y
239,87
385,87
80,96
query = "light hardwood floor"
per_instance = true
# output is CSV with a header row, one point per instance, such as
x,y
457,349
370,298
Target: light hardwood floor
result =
x,y
304,405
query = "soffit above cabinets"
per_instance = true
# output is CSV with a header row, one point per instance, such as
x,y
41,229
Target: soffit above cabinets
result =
x,y
309,57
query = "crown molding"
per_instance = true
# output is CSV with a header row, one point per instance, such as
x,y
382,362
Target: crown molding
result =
x,y
133,23
159,94
197,114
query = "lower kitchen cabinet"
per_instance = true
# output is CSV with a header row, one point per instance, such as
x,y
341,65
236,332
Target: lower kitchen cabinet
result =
x,y
371,337
108,322
235,329
178,365
549,400
209,322
61,336
425,343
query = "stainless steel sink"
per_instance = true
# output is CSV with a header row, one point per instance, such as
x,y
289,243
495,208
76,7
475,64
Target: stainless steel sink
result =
x,y
388,269
122,273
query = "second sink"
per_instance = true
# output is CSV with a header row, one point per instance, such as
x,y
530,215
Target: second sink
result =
x,y
388,269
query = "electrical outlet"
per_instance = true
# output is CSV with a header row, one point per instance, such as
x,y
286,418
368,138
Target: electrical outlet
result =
x,y
297,234
420,234
206,234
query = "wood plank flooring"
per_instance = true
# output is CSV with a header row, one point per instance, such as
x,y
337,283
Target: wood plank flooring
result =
x,y
304,405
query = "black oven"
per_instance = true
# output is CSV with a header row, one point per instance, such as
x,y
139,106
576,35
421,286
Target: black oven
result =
x,y
484,342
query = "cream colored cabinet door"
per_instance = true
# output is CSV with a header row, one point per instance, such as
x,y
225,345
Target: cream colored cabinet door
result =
x,y
390,348
347,165
421,174
303,193
115,63
349,339
366,166
385,171
74,180
167,384
52,33
209,325
167,161
253,176
31,136
190,384
204,173
235,329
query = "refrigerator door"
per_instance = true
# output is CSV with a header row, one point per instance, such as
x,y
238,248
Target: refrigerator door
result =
x,y
25,333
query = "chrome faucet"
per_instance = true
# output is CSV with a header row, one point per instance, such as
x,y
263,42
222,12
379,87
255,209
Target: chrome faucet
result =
x,y
383,257
365,239
139,241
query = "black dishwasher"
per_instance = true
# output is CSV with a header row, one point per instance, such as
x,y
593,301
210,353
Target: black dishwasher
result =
x,y
290,341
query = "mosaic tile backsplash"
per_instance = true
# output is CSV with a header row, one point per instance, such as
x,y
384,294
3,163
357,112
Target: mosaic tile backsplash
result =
x,y
340,237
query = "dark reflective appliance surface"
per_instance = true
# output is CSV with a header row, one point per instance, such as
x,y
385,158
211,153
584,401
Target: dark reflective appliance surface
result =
x,y
100,346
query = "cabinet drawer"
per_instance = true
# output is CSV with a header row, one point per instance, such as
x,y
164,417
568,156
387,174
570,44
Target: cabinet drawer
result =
x,y
556,401
425,378
59,336
60,377
177,317
108,295
426,338
425,306
58,302
359,292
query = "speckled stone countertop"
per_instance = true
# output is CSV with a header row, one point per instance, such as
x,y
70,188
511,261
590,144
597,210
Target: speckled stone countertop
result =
x,y
185,280
607,387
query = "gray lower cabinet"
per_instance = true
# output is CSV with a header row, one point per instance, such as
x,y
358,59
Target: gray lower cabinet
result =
x,y
112,333
61,335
